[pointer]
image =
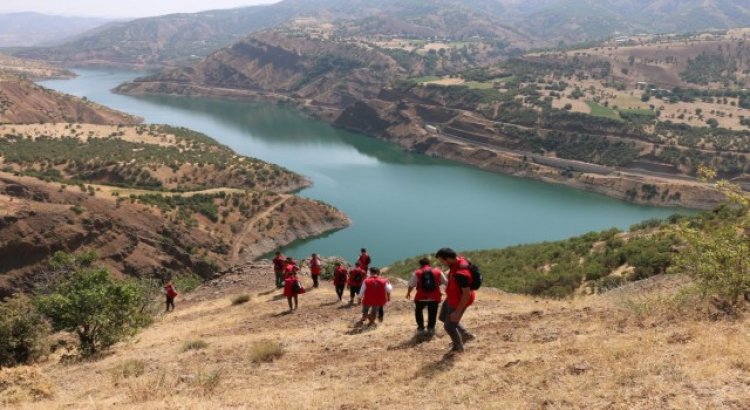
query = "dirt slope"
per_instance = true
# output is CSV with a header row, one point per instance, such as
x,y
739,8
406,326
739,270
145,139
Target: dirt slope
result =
x,y
588,353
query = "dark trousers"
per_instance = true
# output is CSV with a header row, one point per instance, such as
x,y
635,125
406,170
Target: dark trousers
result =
x,y
432,311
170,303
381,313
454,329
315,280
340,291
279,278
354,291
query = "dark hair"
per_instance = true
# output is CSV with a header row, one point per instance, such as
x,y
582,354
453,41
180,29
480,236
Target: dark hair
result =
x,y
446,253
314,254
424,262
363,250
375,271
278,253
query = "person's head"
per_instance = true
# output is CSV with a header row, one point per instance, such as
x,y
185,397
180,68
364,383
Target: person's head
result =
x,y
374,271
356,264
314,255
363,250
446,256
424,262
337,264
289,259
278,253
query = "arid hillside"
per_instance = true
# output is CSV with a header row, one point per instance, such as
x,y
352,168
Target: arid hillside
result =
x,y
147,199
31,68
22,101
617,350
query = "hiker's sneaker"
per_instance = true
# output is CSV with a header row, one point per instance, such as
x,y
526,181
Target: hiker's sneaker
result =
x,y
468,337
430,332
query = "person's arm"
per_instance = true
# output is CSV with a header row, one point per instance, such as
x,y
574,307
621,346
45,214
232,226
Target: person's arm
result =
x,y
362,290
412,284
388,290
463,283
443,279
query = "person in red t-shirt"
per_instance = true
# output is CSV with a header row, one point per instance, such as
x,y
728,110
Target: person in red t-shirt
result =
x,y
278,269
171,294
293,288
458,297
339,279
290,267
364,260
315,268
375,293
428,294
355,279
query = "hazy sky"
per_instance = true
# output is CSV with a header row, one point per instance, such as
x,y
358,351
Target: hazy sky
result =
x,y
121,8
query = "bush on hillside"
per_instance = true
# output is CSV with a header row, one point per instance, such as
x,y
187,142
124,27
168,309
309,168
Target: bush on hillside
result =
x,y
100,309
23,332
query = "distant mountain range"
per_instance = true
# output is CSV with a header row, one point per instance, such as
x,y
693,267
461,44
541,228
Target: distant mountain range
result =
x,y
178,39
34,29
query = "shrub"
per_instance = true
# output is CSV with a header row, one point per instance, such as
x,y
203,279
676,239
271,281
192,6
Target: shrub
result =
x,y
100,309
127,369
265,352
194,345
23,332
240,299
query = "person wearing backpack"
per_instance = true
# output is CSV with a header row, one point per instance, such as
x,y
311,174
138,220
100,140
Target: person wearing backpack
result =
x,y
427,280
171,294
375,294
364,260
339,279
356,277
278,268
315,268
459,295
292,289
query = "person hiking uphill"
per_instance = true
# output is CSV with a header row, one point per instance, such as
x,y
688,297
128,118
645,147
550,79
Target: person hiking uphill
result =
x,y
315,267
171,294
427,281
458,297
355,279
364,260
292,289
278,268
339,279
375,294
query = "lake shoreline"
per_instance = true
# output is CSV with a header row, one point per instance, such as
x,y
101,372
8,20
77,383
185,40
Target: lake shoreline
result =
x,y
634,187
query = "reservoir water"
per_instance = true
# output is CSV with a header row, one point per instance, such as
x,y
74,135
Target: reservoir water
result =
x,y
401,204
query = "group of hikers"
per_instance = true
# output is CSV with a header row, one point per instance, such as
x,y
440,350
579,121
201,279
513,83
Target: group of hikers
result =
x,y
373,291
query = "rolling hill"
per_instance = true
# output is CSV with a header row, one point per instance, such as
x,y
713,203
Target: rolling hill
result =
x,y
35,29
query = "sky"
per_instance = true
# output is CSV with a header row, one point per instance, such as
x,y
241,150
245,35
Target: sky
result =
x,y
120,8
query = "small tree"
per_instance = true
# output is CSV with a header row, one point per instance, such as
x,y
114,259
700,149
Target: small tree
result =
x,y
717,255
99,308
23,332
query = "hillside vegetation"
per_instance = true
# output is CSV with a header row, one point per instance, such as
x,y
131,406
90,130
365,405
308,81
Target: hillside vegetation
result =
x,y
621,349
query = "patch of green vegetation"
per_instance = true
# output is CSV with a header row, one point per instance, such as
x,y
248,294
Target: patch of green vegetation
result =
x,y
598,110
558,269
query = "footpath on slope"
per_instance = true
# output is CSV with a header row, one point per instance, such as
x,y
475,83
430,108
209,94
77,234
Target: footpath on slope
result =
x,y
530,353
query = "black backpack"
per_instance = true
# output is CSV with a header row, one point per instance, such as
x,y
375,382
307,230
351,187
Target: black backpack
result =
x,y
296,287
476,276
357,277
427,282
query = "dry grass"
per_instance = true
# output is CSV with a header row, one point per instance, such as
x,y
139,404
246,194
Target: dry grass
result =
x,y
265,352
194,345
240,299
23,384
127,369
619,350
